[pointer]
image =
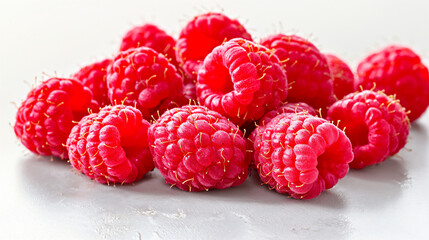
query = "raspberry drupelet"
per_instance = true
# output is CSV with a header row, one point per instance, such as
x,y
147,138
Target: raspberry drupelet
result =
x,y
143,78
398,71
241,80
111,146
376,124
197,149
301,155
45,118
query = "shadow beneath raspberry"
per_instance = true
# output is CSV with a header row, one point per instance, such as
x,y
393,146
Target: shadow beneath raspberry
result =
x,y
250,192
416,150
376,186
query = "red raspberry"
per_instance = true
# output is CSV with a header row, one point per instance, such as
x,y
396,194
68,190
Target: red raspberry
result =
x,y
302,155
306,68
143,78
93,76
376,124
201,35
197,149
399,71
241,80
45,118
149,35
341,75
111,146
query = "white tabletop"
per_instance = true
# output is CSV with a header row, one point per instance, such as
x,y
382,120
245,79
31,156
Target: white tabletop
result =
x,y
41,199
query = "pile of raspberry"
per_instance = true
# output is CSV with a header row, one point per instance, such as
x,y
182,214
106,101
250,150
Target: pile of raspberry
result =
x,y
208,108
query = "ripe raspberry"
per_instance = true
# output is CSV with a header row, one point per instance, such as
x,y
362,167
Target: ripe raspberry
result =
x,y
302,155
143,78
111,146
306,68
197,149
241,80
93,76
376,124
399,71
45,118
149,35
341,75
201,35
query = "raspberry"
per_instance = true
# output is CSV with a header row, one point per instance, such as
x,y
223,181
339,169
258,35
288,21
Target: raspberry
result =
x,y
197,149
399,71
301,155
93,76
111,146
241,80
45,118
149,35
143,78
376,124
306,68
341,75
201,35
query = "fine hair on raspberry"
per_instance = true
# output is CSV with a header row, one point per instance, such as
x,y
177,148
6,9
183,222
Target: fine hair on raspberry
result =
x,y
111,146
376,124
45,118
197,149
143,78
398,71
241,80
306,68
150,35
203,33
301,155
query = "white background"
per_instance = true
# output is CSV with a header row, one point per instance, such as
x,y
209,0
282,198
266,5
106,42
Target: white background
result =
x,y
40,199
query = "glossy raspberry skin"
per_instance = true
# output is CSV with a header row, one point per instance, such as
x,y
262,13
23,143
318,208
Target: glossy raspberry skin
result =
x,y
202,34
306,68
111,146
376,124
399,71
45,118
143,78
93,76
196,149
242,81
342,76
301,155
149,35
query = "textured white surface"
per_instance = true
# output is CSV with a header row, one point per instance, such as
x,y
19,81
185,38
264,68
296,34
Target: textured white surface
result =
x,y
41,199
